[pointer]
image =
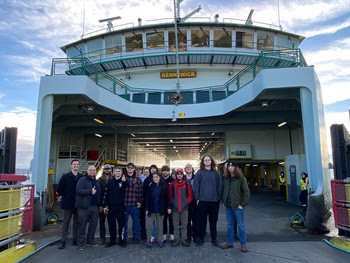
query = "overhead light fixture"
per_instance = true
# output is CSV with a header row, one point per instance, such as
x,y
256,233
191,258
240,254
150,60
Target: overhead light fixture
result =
x,y
98,135
171,140
99,121
127,76
133,135
147,144
174,146
155,149
177,151
281,163
282,124
265,104
255,165
213,133
206,143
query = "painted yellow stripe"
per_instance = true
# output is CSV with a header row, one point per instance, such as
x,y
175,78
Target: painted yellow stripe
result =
x,y
343,243
17,252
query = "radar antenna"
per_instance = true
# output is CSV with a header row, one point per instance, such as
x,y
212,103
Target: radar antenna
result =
x,y
109,22
249,20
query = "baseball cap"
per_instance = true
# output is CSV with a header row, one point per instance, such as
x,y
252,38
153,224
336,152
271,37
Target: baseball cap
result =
x,y
233,163
130,164
107,166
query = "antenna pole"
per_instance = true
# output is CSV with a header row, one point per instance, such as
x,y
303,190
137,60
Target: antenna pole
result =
x,y
279,20
176,7
83,19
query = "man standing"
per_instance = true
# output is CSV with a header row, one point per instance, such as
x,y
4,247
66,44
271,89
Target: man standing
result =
x,y
207,191
87,204
67,189
167,217
103,181
133,200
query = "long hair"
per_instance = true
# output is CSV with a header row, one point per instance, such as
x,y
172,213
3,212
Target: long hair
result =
x,y
191,167
237,172
212,165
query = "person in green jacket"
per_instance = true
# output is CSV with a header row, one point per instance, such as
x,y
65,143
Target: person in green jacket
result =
x,y
235,196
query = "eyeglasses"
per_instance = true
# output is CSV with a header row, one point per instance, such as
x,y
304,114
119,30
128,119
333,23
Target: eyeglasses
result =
x,y
131,167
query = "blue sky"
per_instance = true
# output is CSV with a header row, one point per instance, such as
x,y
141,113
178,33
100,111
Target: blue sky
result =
x,y
32,32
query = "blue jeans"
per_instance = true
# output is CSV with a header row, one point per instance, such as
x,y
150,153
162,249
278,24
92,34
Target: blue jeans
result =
x,y
232,215
134,212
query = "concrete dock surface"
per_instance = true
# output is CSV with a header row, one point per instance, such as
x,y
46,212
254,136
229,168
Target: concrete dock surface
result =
x,y
270,238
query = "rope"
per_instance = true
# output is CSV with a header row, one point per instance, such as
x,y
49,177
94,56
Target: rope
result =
x,y
297,220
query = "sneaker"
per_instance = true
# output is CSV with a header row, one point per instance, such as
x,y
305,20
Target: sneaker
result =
x,y
80,248
122,243
244,249
63,245
185,243
215,243
91,245
226,246
110,244
164,238
172,238
199,243
175,243
101,241
148,244
152,239
160,243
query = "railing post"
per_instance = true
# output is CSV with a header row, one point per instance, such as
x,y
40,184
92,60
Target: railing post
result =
x,y
114,87
254,70
210,94
237,82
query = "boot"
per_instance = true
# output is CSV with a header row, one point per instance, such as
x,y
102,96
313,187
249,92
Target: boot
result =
x,y
63,245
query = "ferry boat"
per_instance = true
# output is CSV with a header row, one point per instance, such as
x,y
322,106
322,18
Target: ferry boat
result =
x,y
177,89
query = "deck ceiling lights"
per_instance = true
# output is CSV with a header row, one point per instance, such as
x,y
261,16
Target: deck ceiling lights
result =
x,y
171,140
98,120
147,144
213,133
133,135
282,124
98,135
265,104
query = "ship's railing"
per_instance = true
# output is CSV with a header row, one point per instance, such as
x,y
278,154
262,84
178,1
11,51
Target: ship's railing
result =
x,y
171,20
266,59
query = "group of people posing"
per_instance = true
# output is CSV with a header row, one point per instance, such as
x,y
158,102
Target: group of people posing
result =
x,y
181,204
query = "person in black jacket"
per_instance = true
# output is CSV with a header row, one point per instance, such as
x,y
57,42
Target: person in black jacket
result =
x,y
165,177
103,181
114,206
157,204
87,205
67,189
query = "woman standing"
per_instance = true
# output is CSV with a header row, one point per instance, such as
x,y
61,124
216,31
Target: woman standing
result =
x,y
235,196
304,187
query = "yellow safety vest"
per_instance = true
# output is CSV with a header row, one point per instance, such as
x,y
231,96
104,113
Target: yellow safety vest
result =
x,y
282,180
304,184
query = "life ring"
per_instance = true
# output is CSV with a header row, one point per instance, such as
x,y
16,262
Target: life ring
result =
x,y
176,99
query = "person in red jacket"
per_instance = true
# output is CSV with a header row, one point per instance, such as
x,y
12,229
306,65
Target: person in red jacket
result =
x,y
180,196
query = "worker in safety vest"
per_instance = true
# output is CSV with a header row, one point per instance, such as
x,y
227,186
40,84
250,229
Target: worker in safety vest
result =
x,y
304,187
282,179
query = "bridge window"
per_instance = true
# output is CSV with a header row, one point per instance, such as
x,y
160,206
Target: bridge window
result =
x,y
94,49
200,37
113,45
244,40
265,41
75,52
222,38
133,43
155,40
283,43
181,40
